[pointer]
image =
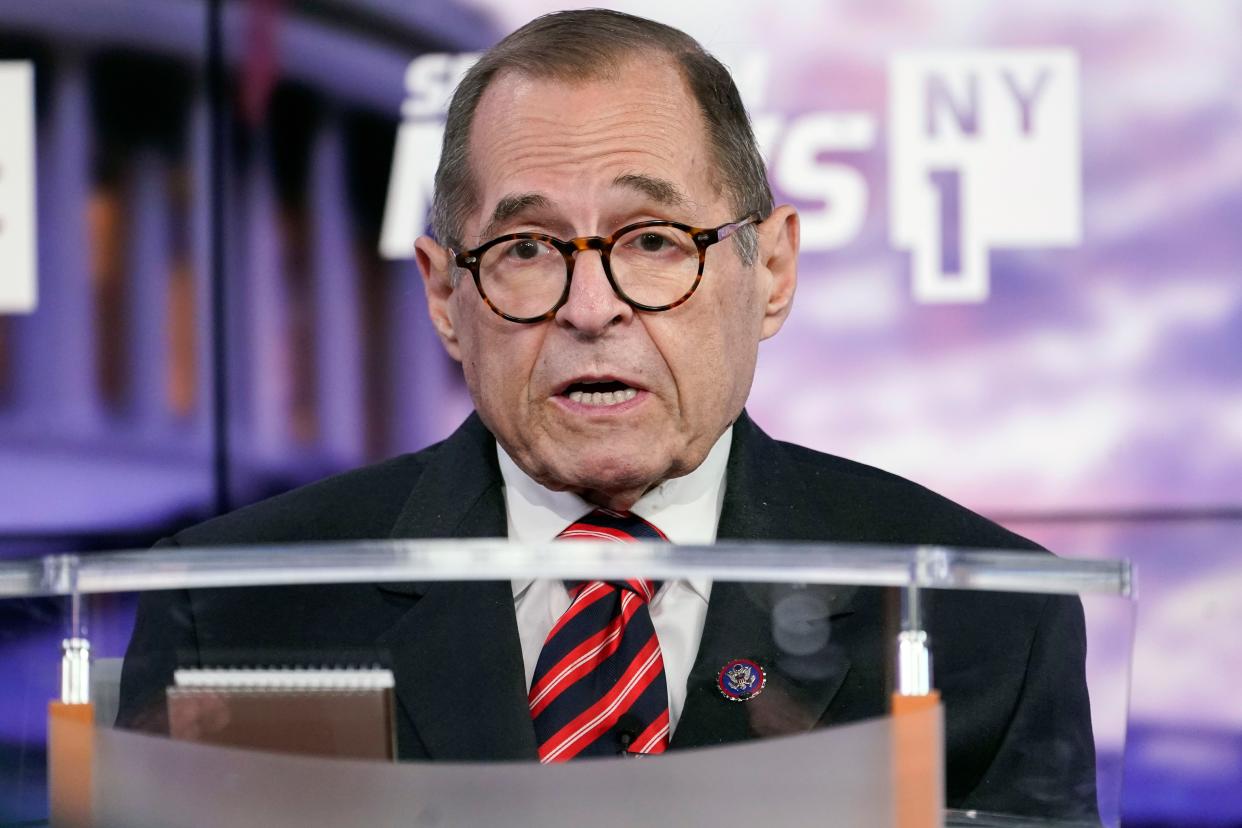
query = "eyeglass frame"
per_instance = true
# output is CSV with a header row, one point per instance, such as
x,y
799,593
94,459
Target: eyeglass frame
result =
x,y
703,237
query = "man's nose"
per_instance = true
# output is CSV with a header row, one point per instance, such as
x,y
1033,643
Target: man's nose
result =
x,y
592,306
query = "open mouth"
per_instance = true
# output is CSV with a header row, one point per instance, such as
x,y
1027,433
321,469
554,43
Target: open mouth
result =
x,y
601,393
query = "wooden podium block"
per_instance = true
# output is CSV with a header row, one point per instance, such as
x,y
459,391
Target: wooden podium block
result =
x,y
70,756
918,761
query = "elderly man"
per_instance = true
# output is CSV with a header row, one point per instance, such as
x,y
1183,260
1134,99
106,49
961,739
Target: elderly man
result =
x,y
607,259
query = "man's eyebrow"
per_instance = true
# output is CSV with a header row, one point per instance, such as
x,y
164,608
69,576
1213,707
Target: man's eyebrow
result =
x,y
660,190
510,206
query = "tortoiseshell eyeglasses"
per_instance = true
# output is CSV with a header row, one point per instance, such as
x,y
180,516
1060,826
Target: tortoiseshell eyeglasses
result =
x,y
651,265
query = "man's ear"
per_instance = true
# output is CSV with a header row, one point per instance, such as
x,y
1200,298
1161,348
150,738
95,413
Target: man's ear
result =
x,y
437,269
778,262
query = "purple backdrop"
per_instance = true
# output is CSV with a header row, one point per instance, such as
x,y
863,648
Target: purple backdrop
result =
x,y
1089,395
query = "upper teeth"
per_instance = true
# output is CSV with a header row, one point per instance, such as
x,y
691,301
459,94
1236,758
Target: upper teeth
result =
x,y
605,398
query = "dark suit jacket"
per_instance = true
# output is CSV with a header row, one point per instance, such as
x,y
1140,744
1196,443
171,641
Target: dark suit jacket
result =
x,y
1010,667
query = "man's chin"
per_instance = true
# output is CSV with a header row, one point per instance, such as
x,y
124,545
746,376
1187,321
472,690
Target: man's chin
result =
x,y
605,481
601,477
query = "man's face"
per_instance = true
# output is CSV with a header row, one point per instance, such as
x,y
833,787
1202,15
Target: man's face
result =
x,y
586,159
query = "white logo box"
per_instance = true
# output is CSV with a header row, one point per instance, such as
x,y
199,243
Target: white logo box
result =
x,y
984,153
18,283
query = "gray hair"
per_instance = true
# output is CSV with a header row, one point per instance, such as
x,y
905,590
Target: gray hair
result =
x,y
589,44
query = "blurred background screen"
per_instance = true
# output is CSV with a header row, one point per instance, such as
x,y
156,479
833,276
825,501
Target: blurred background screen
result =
x,y
1019,282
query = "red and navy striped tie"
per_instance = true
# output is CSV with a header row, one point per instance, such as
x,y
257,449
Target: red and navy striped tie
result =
x,y
599,687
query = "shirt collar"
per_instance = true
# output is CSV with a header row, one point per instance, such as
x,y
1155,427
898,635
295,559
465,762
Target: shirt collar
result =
x,y
686,509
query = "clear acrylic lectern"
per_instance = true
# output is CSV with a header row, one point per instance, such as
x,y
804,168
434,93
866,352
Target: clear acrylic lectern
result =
x,y
889,683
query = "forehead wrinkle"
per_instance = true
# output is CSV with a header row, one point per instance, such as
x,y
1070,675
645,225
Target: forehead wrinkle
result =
x,y
521,151
542,137
517,111
570,157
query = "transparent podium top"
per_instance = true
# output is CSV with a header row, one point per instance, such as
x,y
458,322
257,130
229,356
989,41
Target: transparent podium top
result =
x,y
784,665
449,560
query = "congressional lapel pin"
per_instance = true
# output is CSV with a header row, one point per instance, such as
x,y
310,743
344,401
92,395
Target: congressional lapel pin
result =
x,y
741,680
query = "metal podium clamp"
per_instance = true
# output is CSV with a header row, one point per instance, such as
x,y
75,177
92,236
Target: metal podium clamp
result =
x,y
75,671
914,667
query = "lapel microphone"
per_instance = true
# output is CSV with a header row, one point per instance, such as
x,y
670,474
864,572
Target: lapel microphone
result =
x,y
627,728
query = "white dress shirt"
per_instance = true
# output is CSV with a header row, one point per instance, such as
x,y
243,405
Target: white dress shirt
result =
x,y
686,509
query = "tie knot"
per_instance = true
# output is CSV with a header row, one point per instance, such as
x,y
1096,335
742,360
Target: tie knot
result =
x,y
641,587
609,525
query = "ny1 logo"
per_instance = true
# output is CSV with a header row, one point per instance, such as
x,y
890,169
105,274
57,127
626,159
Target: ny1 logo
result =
x,y
983,153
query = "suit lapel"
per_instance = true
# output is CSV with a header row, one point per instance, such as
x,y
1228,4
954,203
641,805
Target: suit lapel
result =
x,y
456,652
459,492
793,632
459,673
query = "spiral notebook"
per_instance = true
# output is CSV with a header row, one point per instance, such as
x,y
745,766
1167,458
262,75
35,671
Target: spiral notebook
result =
x,y
344,712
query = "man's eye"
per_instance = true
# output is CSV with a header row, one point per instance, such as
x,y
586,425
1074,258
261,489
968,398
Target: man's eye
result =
x,y
525,249
652,242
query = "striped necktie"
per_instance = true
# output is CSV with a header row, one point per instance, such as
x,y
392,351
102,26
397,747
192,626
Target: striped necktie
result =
x,y
599,687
